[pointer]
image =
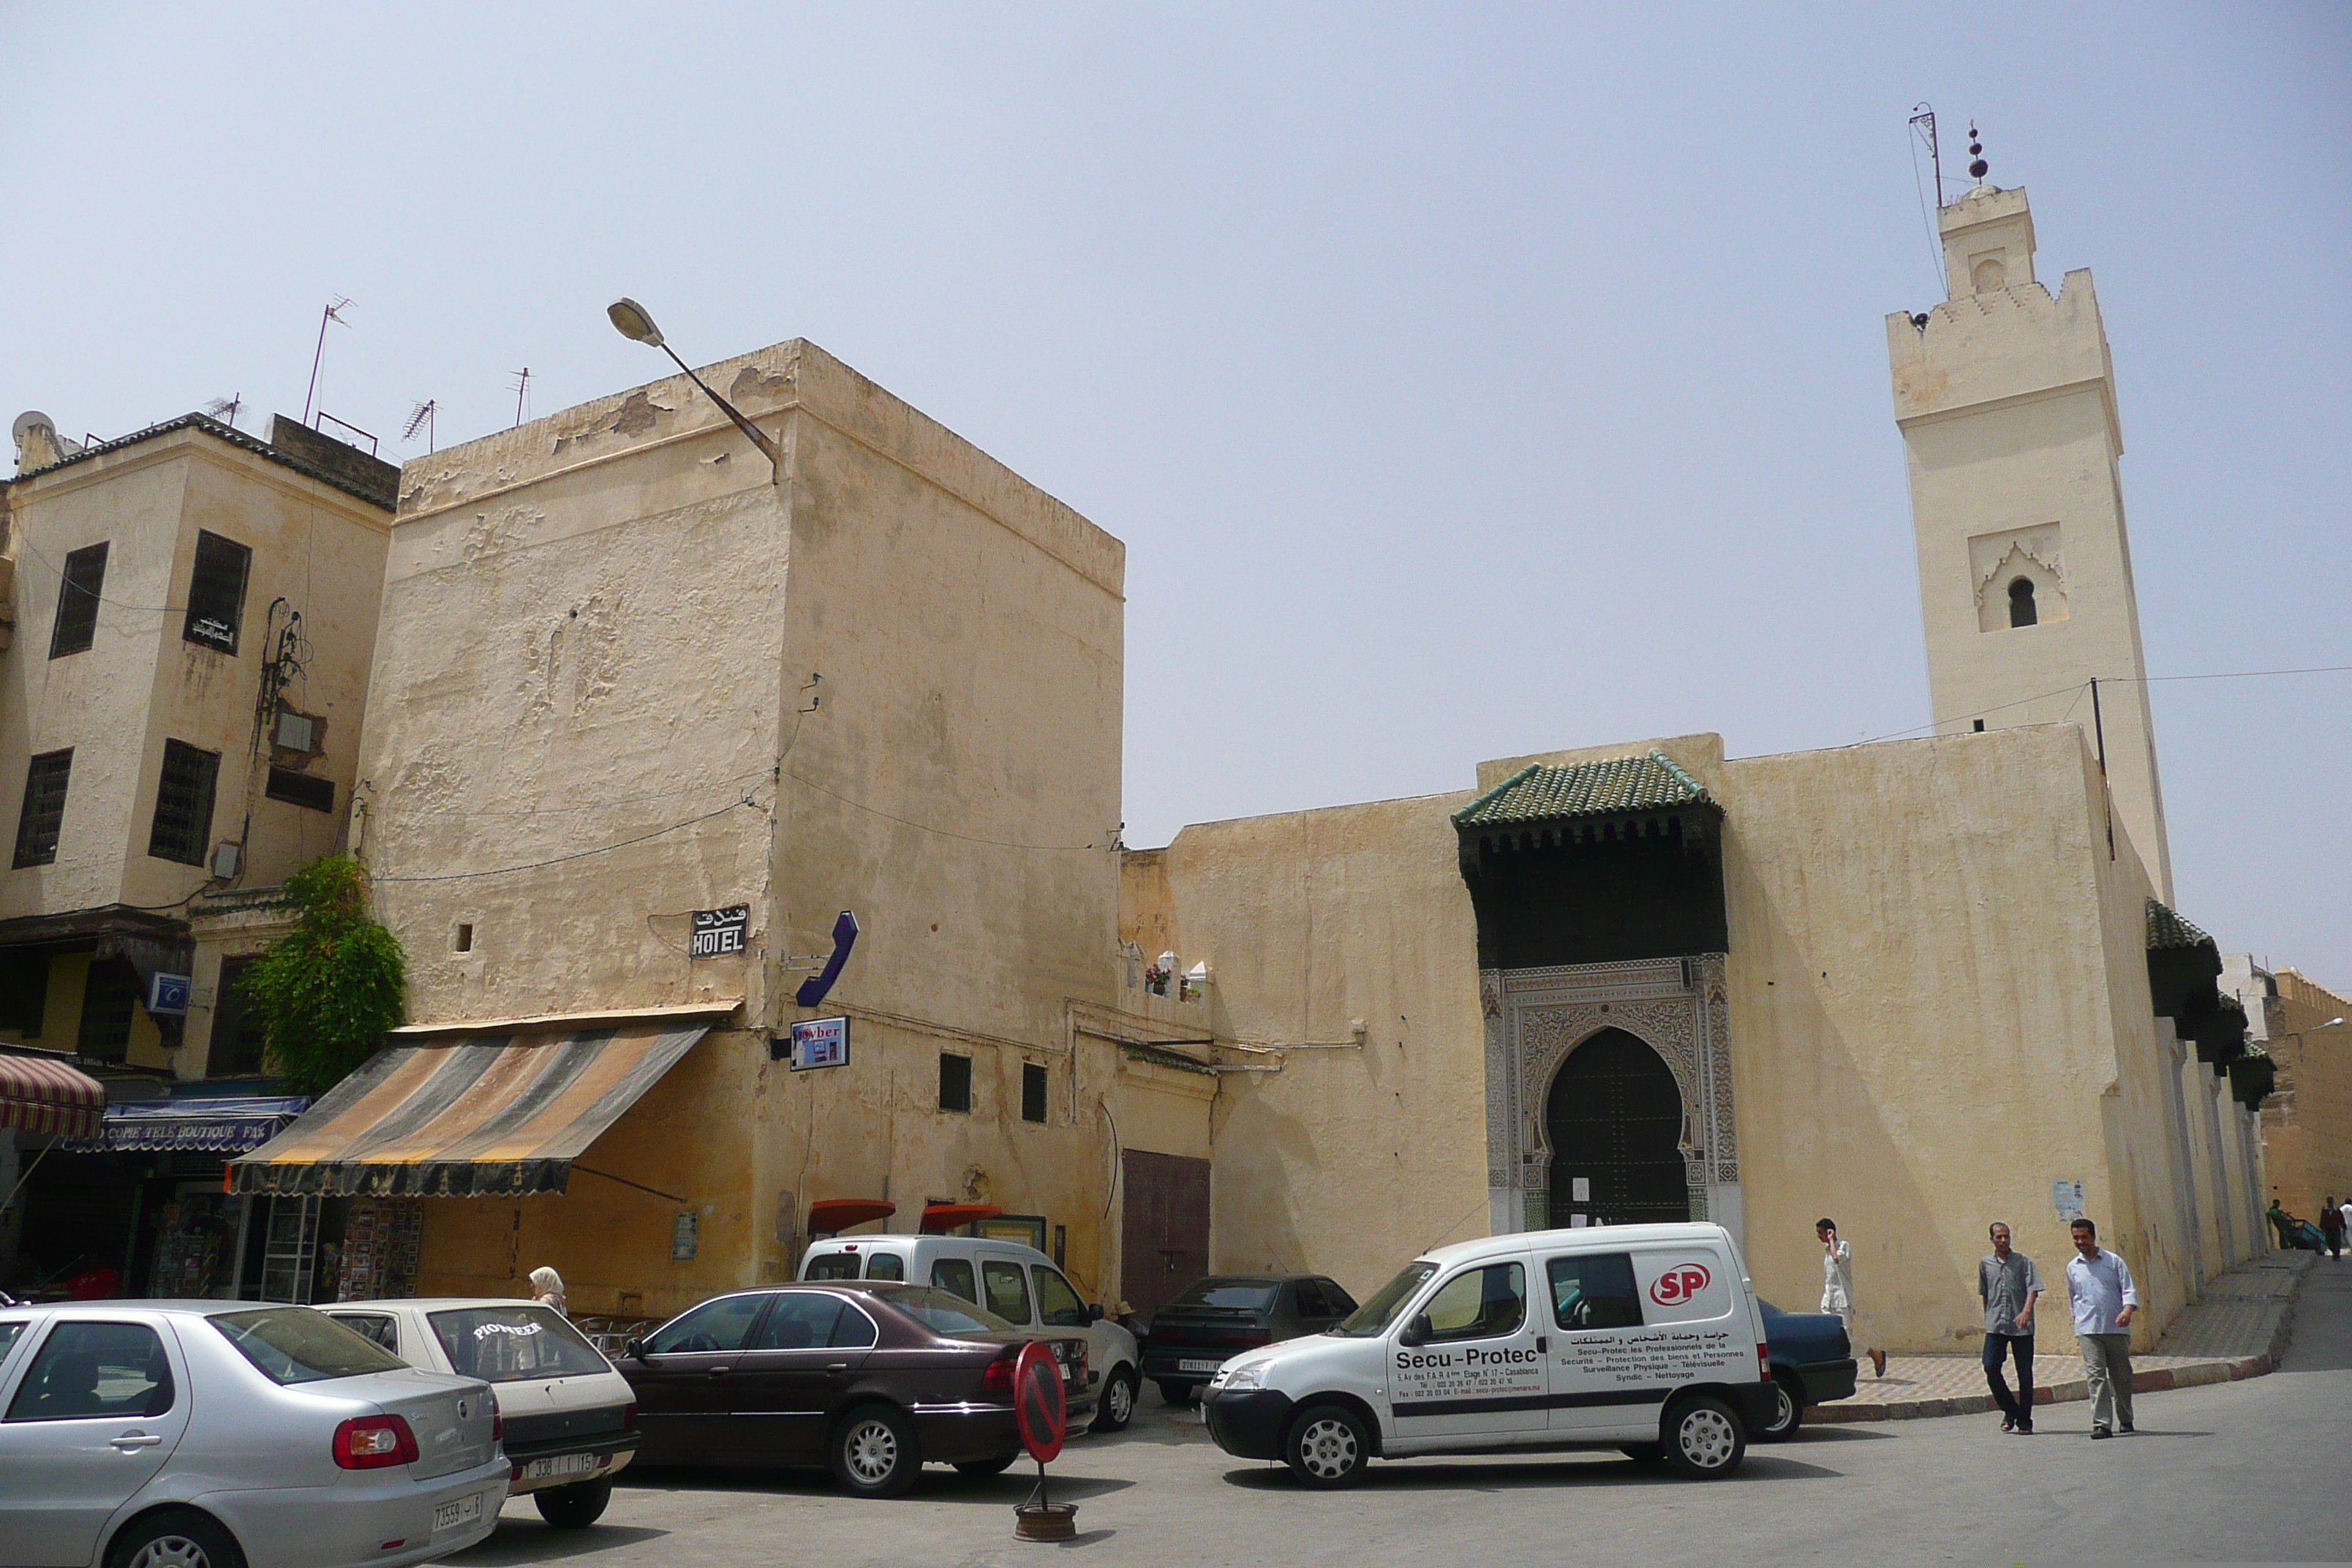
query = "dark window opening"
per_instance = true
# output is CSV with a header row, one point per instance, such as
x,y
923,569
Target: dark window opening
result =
x,y
2022,612
184,804
465,942
216,592
110,993
78,592
301,789
24,992
955,1082
239,1035
1033,1092
44,808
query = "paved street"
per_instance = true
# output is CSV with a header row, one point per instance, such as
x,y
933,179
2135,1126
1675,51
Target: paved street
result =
x,y
2228,1470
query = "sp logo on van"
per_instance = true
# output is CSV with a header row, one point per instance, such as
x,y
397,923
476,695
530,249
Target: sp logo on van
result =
x,y
1679,1283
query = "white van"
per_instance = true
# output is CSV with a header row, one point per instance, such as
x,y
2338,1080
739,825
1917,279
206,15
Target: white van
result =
x,y
1644,1338
1018,1283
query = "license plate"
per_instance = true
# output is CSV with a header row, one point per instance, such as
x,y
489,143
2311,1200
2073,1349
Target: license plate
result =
x,y
464,1510
1192,1365
562,1465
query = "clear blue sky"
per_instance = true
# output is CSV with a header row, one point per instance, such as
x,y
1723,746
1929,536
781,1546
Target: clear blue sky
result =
x,y
1464,382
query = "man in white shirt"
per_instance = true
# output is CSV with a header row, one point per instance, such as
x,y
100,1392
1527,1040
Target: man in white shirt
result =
x,y
2099,1285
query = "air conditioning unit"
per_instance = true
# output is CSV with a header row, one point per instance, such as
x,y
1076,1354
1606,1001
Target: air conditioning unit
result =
x,y
226,857
295,731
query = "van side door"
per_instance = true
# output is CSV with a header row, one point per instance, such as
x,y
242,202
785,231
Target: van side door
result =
x,y
1600,1380
1470,1363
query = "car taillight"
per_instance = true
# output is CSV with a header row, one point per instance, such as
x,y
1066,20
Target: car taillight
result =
x,y
498,1426
1764,1360
374,1441
629,1418
998,1378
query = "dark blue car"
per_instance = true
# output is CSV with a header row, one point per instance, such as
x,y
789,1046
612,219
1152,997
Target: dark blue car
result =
x,y
1812,1363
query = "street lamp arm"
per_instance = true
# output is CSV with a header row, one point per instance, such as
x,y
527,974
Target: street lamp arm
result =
x,y
759,438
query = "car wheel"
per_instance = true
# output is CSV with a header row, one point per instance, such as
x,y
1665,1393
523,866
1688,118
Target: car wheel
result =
x,y
575,1507
1176,1391
986,1467
1327,1447
174,1539
1788,1411
1704,1440
1117,1402
874,1452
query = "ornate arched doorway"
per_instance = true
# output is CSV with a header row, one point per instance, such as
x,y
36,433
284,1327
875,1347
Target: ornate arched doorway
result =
x,y
1614,1120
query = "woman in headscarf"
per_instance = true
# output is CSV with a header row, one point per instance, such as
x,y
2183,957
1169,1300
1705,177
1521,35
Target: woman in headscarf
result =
x,y
547,1289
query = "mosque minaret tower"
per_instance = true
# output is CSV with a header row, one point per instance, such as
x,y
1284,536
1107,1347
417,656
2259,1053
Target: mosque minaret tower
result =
x,y
2005,395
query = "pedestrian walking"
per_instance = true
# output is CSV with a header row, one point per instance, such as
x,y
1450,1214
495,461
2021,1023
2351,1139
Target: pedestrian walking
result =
x,y
2282,1222
1837,1285
2008,1284
2331,1226
2099,1286
2345,1210
547,1289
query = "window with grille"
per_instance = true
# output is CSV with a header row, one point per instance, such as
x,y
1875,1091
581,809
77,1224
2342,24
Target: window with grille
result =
x,y
301,789
239,1034
184,804
109,993
84,580
955,1082
216,592
44,808
1033,1092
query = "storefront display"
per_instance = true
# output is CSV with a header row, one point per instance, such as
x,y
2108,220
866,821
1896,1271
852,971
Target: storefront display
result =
x,y
379,1250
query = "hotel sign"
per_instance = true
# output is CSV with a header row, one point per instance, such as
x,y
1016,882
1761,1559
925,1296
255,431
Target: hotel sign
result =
x,y
718,932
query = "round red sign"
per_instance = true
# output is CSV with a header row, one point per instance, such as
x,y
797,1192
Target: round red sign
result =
x,y
1679,1283
1037,1407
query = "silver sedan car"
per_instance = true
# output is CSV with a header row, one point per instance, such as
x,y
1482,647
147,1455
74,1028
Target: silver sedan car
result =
x,y
232,1434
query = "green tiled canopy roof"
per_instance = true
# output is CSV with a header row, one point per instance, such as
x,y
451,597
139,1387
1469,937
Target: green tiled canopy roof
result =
x,y
2168,928
1539,794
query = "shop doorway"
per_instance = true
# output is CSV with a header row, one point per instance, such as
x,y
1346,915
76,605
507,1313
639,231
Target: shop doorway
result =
x,y
1163,1227
1614,1118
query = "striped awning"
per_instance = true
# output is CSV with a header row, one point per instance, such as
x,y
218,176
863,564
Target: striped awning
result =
x,y
467,1115
222,1124
41,1096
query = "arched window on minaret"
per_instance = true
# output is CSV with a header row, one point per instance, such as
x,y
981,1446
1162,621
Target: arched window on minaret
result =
x,y
2021,603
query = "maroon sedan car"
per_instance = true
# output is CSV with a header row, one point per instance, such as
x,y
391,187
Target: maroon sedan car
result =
x,y
871,1380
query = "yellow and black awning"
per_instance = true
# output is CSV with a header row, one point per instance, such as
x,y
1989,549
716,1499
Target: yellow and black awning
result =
x,y
467,1115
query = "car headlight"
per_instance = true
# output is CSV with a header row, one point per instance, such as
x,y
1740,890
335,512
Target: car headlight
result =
x,y
1240,1377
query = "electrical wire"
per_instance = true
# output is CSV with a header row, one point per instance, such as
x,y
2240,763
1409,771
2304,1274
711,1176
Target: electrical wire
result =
x,y
943,833
2080,687
729,783
576,855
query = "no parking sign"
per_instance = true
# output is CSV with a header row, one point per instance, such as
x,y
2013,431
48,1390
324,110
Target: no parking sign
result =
x,y
1037,1406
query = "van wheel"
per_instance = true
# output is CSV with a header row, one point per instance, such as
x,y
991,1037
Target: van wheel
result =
x,y
1117,1402
1788,1410
1327,1447
574,1507
1704,1440
873,1452
174,1538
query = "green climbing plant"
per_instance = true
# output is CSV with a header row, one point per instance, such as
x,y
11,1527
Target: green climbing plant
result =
x,y
327,991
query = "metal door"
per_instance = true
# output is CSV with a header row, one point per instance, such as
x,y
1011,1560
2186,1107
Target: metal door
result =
x,y
1164,1227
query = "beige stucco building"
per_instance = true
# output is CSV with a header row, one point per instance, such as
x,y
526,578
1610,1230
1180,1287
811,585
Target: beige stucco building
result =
x,y
2306,1121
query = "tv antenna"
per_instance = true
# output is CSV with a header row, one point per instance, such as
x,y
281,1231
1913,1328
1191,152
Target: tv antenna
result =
x,y
1923,126
422,416
331,313
521,385
226,408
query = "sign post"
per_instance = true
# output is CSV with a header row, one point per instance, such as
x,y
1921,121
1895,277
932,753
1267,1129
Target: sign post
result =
x,y
1043,1418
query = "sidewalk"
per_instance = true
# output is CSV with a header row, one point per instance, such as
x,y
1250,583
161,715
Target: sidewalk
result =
x,y
2238,1329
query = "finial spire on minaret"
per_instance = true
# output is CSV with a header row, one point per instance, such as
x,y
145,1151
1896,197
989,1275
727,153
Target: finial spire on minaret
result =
x,y
1977,164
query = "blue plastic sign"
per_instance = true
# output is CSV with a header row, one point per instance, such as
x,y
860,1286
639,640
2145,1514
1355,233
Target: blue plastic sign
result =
x,y
820,1043
167,995
815,988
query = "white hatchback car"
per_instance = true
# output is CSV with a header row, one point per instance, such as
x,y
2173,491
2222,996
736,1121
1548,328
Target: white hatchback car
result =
x,y
570,1419
232,1434
1018,1283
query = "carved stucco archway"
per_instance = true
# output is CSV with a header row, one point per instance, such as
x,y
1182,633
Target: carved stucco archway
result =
x,y
1535,1019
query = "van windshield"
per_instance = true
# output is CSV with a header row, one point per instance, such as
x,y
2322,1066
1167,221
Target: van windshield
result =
x,y
1372,1319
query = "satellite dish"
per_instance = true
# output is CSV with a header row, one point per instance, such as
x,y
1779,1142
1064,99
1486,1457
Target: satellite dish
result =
x,y
32,420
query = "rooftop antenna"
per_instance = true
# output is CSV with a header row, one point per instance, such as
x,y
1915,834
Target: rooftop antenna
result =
x,y
1923,126
421,417
1977,164
226,408
329,314
521,385
1922,133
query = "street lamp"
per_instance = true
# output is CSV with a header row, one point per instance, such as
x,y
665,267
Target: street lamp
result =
x,y
632,322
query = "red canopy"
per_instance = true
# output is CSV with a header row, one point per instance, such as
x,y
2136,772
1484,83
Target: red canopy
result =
x,y
833,1215
940,1218
41,1096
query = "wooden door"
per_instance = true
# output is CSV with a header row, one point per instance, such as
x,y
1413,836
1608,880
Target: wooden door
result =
x,y
1163,1227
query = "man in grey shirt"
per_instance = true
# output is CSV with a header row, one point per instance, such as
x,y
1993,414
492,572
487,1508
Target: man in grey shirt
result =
x,y
2008,1285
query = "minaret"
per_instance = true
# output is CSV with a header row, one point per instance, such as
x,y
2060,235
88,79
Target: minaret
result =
x,y
2005,400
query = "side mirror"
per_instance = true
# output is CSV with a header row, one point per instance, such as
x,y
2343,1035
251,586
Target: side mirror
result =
x,y
1416,1332
634,1350
1095,1312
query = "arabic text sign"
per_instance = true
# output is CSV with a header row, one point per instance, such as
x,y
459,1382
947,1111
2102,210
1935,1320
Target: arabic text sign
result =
x,y
718,931
820,1043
